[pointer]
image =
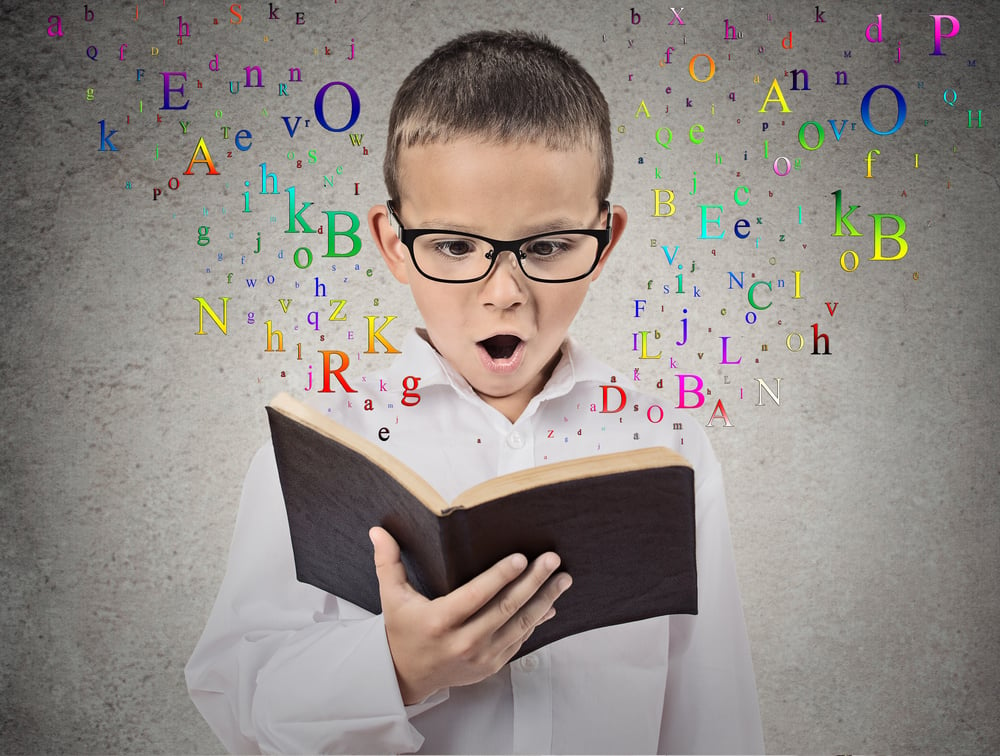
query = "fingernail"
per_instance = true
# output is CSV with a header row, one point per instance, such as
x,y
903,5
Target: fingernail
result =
x,y
564,582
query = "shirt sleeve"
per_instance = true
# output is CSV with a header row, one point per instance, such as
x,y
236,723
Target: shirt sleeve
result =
x,y
711,696
285,667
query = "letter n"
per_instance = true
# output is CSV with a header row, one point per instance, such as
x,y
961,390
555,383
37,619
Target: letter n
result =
x,y
204,307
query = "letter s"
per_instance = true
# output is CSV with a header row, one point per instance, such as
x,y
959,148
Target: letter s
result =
x,y
235,9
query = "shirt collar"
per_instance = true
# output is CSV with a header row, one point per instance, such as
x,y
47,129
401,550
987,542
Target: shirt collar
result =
x,y
420,359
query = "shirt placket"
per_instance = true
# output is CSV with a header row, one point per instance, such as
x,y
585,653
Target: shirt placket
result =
x,y
517,452
531,684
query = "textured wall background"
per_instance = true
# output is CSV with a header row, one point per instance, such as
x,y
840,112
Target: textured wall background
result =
x,y
863,505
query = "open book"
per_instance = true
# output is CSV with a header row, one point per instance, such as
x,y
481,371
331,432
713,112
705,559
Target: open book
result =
x,y
622,523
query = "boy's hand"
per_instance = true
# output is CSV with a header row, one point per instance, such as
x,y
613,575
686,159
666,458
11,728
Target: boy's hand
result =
x,y
469,634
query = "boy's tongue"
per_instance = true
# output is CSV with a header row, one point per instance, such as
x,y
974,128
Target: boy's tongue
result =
x,y
502,346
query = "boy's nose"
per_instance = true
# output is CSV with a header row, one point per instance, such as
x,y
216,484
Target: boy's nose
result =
x,y
504,286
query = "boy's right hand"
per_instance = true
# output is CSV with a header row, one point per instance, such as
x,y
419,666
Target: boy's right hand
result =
x,y
469,634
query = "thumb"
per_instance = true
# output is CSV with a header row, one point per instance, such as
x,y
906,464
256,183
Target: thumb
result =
x,y
388,565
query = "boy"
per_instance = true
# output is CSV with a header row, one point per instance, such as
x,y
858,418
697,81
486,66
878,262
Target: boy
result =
x,y
495,136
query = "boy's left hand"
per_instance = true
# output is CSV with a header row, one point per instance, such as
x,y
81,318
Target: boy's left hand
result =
x,y
468,634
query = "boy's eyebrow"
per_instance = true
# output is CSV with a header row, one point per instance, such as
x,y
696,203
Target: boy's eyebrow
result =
x,y
555,224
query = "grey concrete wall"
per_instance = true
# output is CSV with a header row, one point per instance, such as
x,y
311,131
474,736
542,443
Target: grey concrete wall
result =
x,y
863,502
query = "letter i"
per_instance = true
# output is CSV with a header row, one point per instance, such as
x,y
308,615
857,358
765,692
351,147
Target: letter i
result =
x,y
156,152
356,187
246,198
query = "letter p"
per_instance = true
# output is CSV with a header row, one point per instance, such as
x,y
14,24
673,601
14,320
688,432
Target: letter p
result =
x,y
955,27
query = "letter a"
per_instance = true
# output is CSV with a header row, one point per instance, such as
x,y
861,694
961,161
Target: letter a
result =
x,y
778,97
57,25
719,411
207,159
642,109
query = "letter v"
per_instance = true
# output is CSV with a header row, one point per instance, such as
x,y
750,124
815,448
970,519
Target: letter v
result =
x,y
291,129
837,132
666,250
832,309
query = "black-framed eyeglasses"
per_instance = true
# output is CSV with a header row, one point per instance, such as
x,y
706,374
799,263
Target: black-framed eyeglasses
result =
x,y
461,257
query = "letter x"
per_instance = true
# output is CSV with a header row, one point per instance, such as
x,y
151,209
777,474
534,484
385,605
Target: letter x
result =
x,y
677,16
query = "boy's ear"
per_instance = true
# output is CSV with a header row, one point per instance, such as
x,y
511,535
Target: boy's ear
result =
x,y
393,250
619,217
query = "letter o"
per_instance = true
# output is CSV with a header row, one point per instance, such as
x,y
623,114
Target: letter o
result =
x,y
900,110
711,67
174,183
309,257
788,166
723,311
355,106
270,279
649,413
819,133
218,114
856,262
749,321
788,342
290,155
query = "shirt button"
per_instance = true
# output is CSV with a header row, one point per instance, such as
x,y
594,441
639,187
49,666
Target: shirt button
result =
x,y
529,663
515,440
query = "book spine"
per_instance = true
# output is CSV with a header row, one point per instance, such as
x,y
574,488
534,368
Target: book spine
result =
x,y
455,553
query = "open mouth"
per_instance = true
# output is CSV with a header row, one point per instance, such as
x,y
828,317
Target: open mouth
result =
x,y
502,346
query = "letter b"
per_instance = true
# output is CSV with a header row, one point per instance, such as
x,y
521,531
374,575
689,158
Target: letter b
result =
x,y
897,236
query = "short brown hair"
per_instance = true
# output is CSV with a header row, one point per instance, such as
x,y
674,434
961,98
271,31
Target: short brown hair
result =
x,y
505,87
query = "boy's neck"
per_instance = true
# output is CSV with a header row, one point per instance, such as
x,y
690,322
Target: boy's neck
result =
x,y
513,405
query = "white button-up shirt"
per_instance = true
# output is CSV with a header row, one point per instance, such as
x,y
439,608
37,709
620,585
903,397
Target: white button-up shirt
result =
x,y
284,666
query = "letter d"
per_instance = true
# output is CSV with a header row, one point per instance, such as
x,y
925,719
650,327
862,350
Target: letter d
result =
x,y
604,399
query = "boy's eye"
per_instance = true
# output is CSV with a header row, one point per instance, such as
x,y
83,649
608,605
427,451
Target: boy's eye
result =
x,y
455,247
546,247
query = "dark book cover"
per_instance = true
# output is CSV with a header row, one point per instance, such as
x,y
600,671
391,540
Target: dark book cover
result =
x,y
627,538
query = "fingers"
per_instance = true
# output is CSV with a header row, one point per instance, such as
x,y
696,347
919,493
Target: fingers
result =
x,y
388,565
532,611
465,601
519,605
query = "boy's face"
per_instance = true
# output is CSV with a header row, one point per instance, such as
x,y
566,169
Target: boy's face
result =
x,y
501,333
